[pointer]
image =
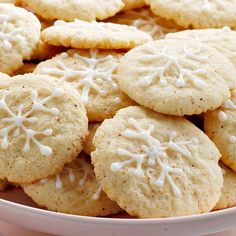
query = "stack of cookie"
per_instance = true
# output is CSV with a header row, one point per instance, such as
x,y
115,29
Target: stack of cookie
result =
x,y
118,89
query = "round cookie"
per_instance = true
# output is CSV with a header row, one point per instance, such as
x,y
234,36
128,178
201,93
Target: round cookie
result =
x,y
88,144
43,126
19,35
25,69
4,76
228,192
220,126
3,184
176,77
69,10
224,40
130,4
143,19
93,74
155,165
196,14
74,191
87,35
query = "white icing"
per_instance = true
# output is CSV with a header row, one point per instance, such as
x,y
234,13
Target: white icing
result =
x,y
9,33
97,195
83,167
17,123
153,153
170,62
89,77
148,24
83,26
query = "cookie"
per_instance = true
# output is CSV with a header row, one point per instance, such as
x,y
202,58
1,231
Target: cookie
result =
x,y
143,19
88,144
224,40
43,50
228,192
19,35
93,74
74,191
176,77
4,76
155,165
220,126
196,14
131,4
43,126
26,68
86,35
88,10
3,184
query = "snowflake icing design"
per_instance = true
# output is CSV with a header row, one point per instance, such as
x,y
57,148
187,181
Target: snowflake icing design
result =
x,y
149,25
183,75
91,76
9,36
154,152
85,168
228,105
17,123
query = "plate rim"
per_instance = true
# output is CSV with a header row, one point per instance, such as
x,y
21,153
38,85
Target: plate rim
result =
x,y
104,220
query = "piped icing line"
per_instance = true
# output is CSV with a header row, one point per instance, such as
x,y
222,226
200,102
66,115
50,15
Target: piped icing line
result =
x,y
151,73
17,123
9,33
90,77
153,153
83,167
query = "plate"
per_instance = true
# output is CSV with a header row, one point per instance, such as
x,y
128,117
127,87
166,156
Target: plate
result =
x,y
17,208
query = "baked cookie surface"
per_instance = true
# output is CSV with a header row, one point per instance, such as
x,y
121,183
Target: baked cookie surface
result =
x,y
220,126
19,35
93,74
130,4
164,164
69,10
228,191
143,19
88,35
224,40
176,77
43,126
74,191
197,14
3,184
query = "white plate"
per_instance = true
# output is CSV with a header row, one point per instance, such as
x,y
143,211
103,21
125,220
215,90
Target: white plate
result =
x,y
17,208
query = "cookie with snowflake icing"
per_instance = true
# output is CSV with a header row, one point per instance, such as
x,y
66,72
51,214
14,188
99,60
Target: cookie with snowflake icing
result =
x,y
88,144
159,162
88,10
19,35
93,74
86,35
219,125
43,124
196,14
145,20
3,184
176,77
131,4
228,191
224,39
75,190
